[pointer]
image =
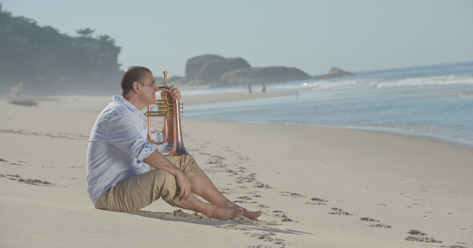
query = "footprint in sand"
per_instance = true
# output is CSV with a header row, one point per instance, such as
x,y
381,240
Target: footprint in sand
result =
x,y
234,227
280,214
245,198
242,199
379,225
268,236
338,211
458,245
262,186
246,179
19,179
290,194
419,236
317,201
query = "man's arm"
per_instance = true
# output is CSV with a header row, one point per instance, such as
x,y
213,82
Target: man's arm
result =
x,y
158,161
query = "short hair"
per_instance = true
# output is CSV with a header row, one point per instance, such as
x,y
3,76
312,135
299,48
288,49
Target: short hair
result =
x,y
133,74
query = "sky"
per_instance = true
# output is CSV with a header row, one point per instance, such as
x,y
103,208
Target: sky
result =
x,y
310,35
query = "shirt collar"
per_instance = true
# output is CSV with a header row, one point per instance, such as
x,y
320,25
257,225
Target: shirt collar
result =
x,y
125,102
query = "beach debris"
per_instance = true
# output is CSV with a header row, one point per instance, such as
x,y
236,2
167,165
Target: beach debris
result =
x,y
419,236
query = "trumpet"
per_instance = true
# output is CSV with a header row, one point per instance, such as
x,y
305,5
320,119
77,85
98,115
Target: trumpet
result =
x,y
169,108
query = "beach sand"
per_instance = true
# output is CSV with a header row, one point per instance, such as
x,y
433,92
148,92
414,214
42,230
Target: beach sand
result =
x,y
317,187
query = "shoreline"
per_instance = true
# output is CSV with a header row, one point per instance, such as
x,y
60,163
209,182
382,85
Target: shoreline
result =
x,y
188,100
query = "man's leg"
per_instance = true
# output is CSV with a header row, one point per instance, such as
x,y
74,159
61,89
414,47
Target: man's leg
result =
x,y
137,192
211,211
203,186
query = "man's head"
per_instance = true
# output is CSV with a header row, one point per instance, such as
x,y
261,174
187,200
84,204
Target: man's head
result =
x,y
138,86
133,74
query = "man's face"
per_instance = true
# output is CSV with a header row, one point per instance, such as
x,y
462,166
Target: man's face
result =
x,y
149,89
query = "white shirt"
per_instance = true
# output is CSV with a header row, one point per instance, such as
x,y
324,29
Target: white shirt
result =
x,y
117,147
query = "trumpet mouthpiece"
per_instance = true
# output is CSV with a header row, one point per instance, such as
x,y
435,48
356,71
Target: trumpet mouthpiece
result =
x,y
165,74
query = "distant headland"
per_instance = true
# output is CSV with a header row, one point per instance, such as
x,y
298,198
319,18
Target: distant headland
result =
x,y
214,70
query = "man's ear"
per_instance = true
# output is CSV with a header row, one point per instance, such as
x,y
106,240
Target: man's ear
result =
x,y
136,87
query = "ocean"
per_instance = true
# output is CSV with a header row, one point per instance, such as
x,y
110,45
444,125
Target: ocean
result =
x,y
431,102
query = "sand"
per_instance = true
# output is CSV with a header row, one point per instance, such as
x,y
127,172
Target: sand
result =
x,y
317,187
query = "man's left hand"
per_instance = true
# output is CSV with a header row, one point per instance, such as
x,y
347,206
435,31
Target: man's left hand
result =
x,y
175,93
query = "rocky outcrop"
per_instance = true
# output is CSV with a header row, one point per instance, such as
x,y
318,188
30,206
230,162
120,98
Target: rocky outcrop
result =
x,y
263,75
194,64
212,71
334,73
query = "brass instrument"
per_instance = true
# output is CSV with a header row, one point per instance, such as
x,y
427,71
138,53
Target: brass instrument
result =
x,y
170,109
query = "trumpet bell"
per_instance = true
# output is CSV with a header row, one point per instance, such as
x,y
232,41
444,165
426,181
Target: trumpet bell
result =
x,y
169,108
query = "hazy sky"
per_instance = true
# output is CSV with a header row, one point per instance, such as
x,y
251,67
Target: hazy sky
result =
x,y
310,35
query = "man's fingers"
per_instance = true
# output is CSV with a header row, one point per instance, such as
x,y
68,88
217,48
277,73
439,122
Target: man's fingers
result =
x,y
184,187
181,193
175,92
184,195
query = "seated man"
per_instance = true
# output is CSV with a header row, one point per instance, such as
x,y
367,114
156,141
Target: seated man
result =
x,y
118,157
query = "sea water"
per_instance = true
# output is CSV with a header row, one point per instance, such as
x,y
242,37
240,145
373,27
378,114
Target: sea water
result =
x,y
429,102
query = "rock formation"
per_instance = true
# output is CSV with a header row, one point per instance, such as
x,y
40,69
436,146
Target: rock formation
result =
x,y
212,70
264,75
194,64
334,73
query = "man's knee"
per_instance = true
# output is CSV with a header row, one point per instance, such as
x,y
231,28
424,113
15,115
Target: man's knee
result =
x,y
164,185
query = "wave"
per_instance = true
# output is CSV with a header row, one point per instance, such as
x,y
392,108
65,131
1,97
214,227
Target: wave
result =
x,y
414,77
429,81
466,94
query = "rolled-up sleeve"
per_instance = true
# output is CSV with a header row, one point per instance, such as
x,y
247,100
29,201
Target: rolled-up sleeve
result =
x,y
122,133
148,148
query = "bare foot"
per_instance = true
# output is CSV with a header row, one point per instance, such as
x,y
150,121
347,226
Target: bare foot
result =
x,y
222,213
252,215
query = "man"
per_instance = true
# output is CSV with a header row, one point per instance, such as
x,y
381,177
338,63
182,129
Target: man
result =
x,y
118,156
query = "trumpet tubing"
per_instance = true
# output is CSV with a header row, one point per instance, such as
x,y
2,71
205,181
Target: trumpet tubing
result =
x,y
169,108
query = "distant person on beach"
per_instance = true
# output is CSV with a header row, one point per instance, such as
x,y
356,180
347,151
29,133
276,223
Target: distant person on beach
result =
x,y
249,88
119,154
264,89
17,89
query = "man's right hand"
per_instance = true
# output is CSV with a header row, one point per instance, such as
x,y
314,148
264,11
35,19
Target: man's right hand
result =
x,y
184,186
158,161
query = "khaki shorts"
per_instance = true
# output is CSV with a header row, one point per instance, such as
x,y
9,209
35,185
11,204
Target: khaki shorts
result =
x,y
139,191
